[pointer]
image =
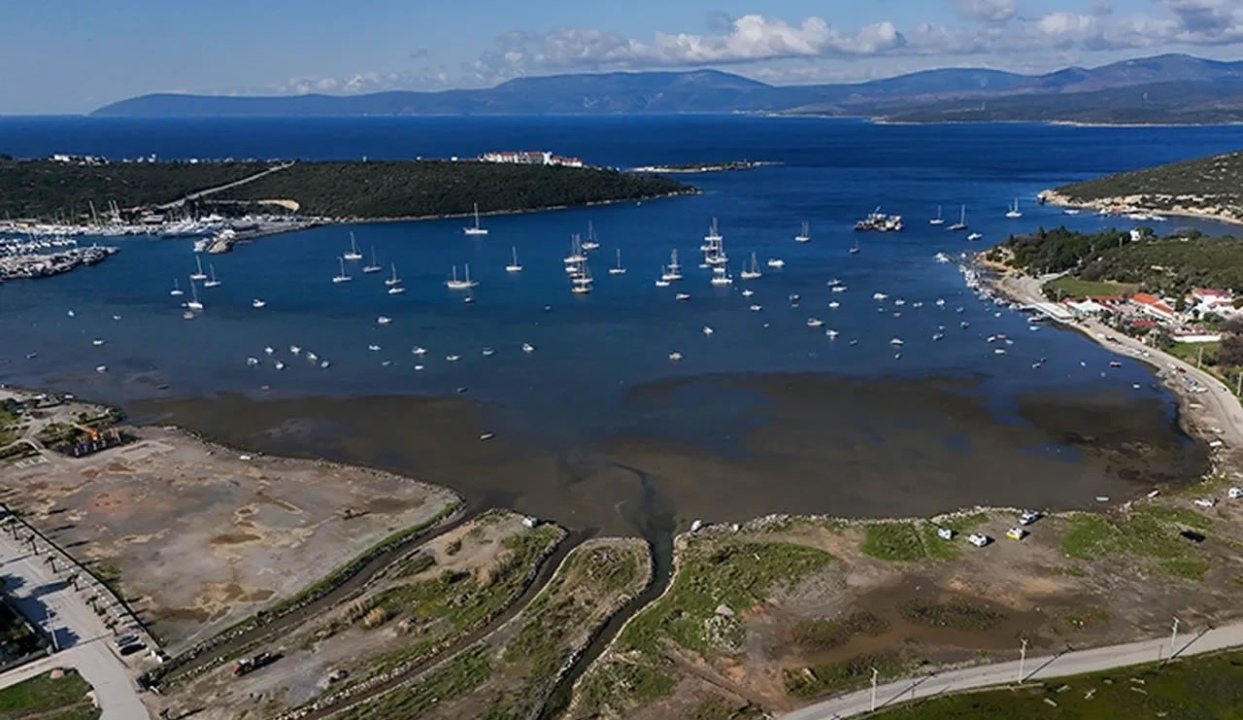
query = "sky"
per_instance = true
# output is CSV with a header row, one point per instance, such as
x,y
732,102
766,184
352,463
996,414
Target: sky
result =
x,y
71,56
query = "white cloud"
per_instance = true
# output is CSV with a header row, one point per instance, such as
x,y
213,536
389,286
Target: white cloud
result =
x,y
989,11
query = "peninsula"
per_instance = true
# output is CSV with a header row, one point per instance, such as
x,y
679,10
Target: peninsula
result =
x,y
1206,187
704,167
96,192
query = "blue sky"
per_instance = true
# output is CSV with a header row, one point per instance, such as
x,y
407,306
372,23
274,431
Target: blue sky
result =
x,y
68,56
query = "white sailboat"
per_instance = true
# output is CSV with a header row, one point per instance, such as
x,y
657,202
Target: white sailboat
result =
x,y
213,282
661,281
712,237
341,276
673,271
720,276
714,247
514,267
455,284
353,254
962,221
753,272
475,229
198,274
373,267
394,280
176,291
938,220
1014,211
591,243
576,251
805,235
618,269
194,303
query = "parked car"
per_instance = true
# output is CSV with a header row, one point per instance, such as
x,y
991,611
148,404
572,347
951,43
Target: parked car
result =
x,y
1028,517
978,539
1016,533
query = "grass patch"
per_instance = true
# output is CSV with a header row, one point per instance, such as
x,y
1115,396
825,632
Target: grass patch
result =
x,y
1069,286
812,682
1203,688
459,676
737,575
898,541
1151,533
819,635
41,696
956,614
1191,352
716,708
110,575
8,426
1086,617
620,684
942,549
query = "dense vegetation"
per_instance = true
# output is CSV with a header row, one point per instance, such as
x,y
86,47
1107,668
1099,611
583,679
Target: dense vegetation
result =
x,y
44,189
1213,180
1199,687
430,188
1170,265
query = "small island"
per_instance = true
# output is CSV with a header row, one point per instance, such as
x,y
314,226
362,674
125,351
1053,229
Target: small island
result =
x,y
705,167
1204,187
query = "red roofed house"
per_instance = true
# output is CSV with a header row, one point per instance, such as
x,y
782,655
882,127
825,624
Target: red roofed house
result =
x,y
1153,306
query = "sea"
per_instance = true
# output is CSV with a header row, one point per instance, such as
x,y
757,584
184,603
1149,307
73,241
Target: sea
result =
x,y
593,355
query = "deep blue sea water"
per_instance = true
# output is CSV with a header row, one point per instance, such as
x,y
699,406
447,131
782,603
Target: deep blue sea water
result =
x,y
589,348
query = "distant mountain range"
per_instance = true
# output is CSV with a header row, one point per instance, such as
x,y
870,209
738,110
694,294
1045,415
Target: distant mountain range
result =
x,y
1163,89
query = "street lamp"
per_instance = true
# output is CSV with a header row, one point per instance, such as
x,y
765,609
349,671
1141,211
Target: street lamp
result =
x,y
875,674
1022,659
1173,637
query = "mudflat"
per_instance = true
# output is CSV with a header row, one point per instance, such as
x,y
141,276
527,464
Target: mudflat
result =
x,y
201,536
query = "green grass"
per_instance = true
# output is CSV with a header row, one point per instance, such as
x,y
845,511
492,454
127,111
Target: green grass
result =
x,y
950,549
717,708
8,426
41,696
459,676
623,683
832,678
1150,533
1069,286
1198,688
737,575
898,541
956,615
1190,352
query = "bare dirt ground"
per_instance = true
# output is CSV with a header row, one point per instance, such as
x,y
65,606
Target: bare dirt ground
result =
x,y
340,640
202,536
1061,585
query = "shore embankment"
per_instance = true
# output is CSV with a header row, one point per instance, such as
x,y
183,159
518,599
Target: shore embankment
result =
x,y
1125,204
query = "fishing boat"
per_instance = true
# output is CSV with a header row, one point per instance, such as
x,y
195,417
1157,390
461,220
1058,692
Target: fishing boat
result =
x,y
373,267
213,282
97,342
257,303
176,291
353,254
962,221
756,308
708,330
618,269
1014,211
591,243
475,229
675,356
753,272
194,303
488,352
528,348
513,266
672,271
814,322
341,276
198,274
805,234
776,263
466,283
831,334
938,220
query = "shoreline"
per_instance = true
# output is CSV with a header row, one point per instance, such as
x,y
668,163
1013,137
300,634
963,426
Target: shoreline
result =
x,y
1052,197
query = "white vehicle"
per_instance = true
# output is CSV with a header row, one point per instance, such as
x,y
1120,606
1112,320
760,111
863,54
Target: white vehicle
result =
x,y
1028,517
1235,493
978,539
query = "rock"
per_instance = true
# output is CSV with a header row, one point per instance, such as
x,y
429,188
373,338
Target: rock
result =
x,y
724,610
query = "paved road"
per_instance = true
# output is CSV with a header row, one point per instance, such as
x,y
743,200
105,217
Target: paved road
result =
x,y
220,188
1035,668
86,643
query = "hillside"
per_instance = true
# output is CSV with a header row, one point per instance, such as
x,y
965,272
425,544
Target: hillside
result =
x,y
44,189
1210,186
1162,89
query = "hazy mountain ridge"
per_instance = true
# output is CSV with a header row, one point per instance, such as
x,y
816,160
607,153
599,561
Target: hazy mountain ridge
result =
x,y
1118,92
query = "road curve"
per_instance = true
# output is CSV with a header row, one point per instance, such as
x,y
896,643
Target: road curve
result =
x,y
1066,663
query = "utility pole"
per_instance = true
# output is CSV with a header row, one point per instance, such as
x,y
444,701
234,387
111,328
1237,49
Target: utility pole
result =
x,y
1022,659
1199,357
51,629
875,675
1173,638
1238,385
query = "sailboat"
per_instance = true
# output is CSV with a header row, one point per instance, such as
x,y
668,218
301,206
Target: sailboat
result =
x,y
353,254
514,267
1014,211
475,229
854,249
213,282
176,291
673,271
712,237
618,270
753,272
394,280
661,281
194,303
581,280
199,274
804,236
455,284
720,276
341,277
962,221
373,267
591,243
938,220
576,252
